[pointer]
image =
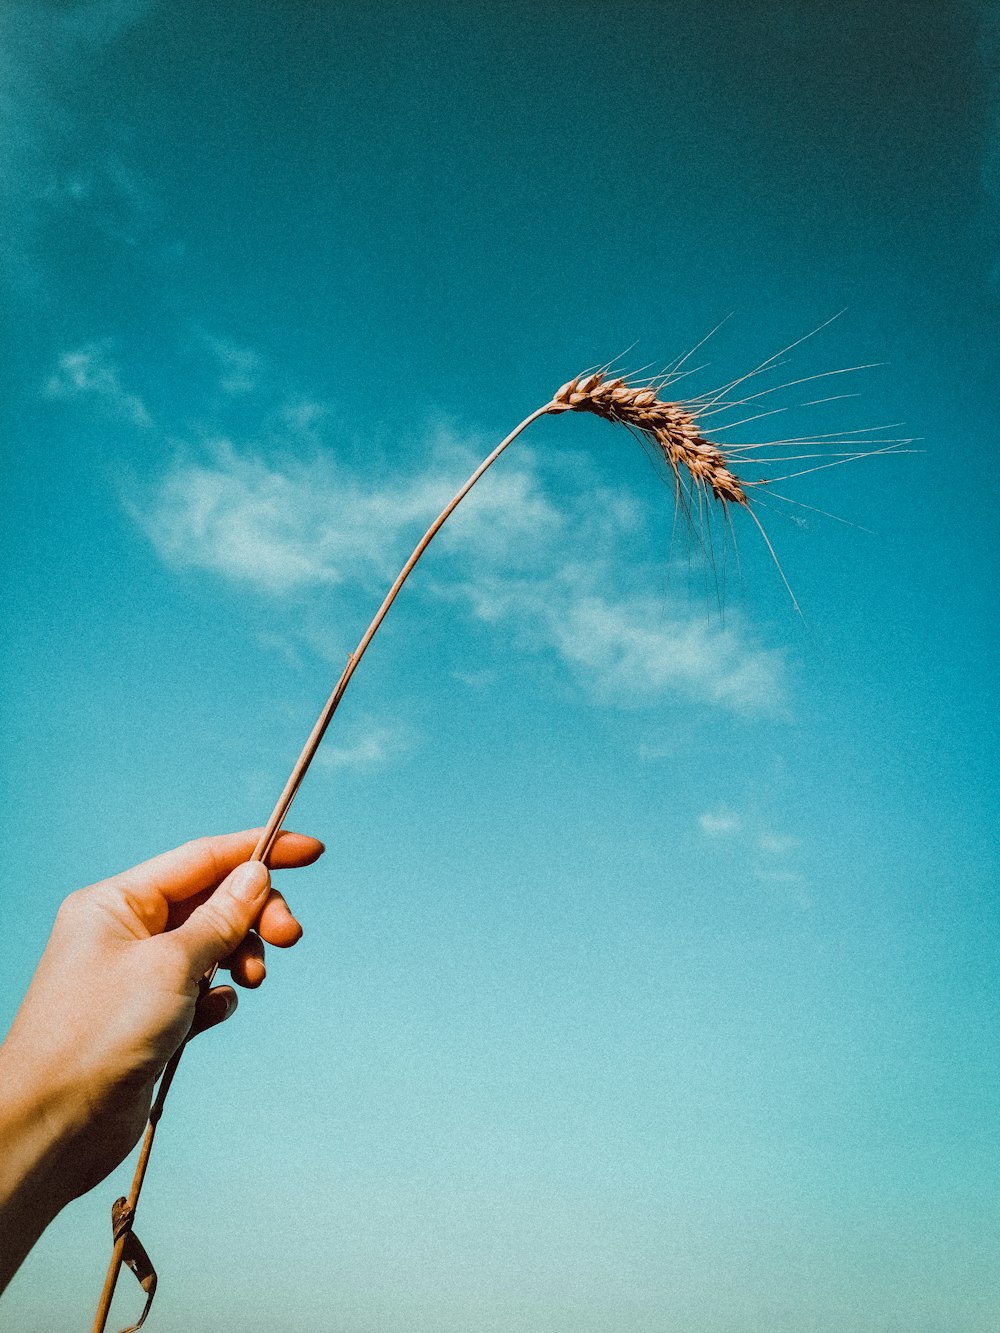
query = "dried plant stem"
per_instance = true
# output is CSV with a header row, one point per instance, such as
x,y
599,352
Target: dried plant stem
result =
x,y
699,466
124,1210
323,721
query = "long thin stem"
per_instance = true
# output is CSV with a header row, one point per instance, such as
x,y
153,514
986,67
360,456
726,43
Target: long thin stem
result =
x,y
323,721
273,826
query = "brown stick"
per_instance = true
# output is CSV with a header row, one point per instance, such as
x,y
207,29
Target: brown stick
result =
x,y
273,826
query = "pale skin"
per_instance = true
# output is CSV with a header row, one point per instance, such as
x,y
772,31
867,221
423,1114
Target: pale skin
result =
x,y
113,997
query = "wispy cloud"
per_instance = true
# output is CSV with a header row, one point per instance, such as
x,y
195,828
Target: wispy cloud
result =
x,y
239,367
373,747
636,647
284,526
280,528
775,844
89,372
720,822
771,856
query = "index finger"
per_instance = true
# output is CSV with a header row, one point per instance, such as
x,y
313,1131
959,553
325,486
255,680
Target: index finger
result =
x,y
205,862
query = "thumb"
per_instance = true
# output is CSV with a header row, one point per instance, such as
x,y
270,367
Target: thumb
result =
x,y
214,929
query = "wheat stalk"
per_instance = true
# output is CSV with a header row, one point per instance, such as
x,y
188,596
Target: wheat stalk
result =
x,y
672,429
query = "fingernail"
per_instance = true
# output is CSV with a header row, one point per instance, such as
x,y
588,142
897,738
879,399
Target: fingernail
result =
x,y
250,881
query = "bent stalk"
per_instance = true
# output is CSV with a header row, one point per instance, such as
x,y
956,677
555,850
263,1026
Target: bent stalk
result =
x,y
700,467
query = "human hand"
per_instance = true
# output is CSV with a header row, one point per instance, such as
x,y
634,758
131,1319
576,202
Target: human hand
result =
x,y
116,993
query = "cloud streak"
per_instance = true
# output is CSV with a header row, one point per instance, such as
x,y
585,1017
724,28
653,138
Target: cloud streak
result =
x,y
720,822
283,529
280,528
90,373
240,368
634,647
771,855
372,748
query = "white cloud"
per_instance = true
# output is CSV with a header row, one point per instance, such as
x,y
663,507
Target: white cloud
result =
x,y
89,372
302,417
280,528
771,855
512,553
723,822
284,525
506,518
373,748
720,822
239,367
634,648
773,844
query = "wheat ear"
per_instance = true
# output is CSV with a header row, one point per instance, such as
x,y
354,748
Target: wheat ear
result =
x,y
669,426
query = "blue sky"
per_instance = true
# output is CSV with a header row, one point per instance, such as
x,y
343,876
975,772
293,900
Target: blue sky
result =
x,y
649,981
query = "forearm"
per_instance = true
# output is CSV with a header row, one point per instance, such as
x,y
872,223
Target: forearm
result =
x,y
36,1146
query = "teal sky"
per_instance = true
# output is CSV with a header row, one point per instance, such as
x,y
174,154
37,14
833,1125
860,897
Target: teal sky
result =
x,y
650,980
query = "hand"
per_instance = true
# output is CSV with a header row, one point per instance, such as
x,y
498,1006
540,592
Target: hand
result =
x,y
114,996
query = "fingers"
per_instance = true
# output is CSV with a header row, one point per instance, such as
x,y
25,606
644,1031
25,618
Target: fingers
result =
x,y
246,963
220,923
205,862
214,1007
277,925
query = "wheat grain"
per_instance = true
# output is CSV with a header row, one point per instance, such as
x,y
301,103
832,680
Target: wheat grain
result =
x,y
669,426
